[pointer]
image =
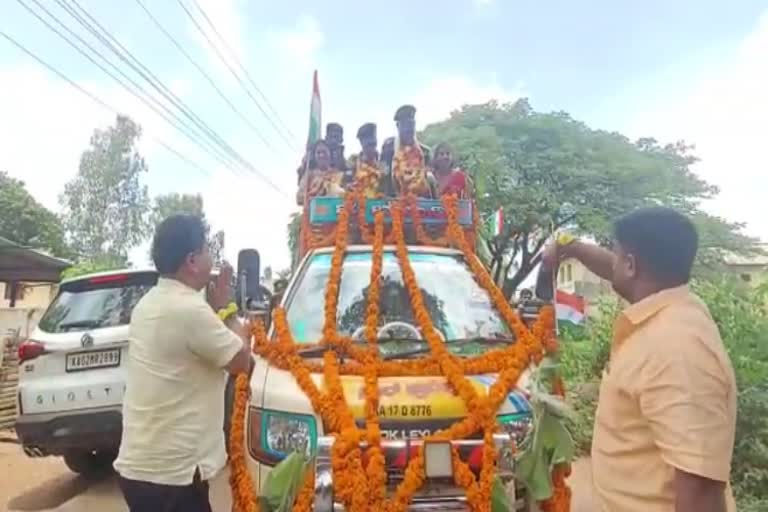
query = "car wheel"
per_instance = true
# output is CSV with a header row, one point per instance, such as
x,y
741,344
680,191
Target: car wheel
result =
x,y
90,463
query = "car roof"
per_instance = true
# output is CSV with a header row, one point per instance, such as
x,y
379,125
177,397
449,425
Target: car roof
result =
x,y
146,270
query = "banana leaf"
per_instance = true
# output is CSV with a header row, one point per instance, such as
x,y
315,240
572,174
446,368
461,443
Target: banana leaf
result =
x,y
550,443
499,499
283,483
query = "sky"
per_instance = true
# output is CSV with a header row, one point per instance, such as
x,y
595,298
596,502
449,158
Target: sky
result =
x,y
686,70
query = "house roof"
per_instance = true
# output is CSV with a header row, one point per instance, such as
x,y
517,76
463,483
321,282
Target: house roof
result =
x,y
20,263
757,260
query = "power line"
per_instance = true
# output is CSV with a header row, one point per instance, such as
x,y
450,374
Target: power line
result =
x,y
164,115
234,73
235,58
197,66
147,75
92,96
156,83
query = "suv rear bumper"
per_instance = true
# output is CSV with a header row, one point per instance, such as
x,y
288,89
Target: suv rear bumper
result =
x,y
57,433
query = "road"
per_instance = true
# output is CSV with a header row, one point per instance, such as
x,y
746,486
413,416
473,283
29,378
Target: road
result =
x,y
46,485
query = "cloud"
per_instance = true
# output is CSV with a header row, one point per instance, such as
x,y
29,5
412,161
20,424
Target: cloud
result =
x,y
300,43
443,95
47,123
724,115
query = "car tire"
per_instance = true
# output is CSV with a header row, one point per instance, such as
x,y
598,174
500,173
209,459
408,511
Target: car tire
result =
x,y
90,463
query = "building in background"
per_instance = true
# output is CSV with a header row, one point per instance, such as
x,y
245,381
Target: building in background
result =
x,y
753,270
575,279
28,281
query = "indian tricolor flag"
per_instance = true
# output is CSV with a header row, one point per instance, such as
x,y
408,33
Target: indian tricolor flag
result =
x,y
569,307
497,222
315,114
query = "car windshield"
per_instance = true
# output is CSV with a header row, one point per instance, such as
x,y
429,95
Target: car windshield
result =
x,y
458,306
102,301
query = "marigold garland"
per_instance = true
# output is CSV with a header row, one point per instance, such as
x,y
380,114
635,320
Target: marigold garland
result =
x,y
359,482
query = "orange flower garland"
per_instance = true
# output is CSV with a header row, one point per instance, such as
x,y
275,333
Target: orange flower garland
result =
x,y
359,483
376,470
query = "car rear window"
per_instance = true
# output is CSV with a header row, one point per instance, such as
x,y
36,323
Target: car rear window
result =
x,y
101,301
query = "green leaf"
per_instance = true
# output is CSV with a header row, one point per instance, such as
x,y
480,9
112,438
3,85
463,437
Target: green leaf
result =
x,y
499,500
283,482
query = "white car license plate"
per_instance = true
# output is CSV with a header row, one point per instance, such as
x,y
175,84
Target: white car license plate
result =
x,y
93,359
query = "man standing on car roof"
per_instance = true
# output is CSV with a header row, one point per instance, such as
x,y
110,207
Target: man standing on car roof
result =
x,y
406,159
179,351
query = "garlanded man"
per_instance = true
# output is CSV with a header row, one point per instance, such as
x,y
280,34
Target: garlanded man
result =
x,y
406,158
366,165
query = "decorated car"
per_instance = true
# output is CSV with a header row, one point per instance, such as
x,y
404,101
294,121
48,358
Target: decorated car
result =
x,y
394,375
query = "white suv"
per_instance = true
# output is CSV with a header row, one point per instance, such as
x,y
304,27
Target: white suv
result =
x,y
71,379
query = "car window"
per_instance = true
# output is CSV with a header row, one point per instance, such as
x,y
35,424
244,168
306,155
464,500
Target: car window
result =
x,y
458,306
103,301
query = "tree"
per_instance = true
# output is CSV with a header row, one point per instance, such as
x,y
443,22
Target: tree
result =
x,y
294,229
27,222
105,206
170,204
549,171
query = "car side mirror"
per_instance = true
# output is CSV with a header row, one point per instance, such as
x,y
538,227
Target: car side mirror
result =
x,y
250,296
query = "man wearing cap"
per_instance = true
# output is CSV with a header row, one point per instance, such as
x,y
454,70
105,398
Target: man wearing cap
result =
x,y
368,172
406,159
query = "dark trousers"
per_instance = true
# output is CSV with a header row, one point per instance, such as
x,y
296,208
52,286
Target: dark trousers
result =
x,y
149,497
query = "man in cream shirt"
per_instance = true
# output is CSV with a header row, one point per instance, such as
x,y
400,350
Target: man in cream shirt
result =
x,y
179,353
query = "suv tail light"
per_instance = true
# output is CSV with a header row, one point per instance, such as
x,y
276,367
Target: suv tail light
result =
x,y
30,349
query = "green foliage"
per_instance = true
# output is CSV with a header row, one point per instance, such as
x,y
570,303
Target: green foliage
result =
x,y
742,316
284,482
25,221
192,204
294,227
550,443
548,170
105,206
92,266
170,204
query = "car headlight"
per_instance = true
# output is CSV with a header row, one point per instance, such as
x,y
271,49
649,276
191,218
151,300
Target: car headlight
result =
x,y
516,425
273,435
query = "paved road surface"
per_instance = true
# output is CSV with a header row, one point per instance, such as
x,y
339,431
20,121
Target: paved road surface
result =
x,y
46,485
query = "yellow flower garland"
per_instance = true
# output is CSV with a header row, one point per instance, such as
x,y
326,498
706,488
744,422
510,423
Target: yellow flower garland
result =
x,y
359,482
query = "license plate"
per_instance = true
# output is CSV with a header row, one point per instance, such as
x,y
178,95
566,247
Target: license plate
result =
x,y
93,359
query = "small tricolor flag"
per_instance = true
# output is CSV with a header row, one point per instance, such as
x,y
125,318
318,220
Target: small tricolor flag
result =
x,y
315,114
569,307
497,222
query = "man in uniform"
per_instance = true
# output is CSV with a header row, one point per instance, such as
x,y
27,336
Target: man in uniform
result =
x,y
366,165
416,176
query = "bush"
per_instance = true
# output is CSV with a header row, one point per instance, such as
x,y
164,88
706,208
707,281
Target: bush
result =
x,y
741,315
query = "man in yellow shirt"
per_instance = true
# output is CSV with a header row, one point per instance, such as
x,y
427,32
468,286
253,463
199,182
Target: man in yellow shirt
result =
x,y
665,421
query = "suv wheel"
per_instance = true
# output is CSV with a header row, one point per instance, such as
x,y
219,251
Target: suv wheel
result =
x,y
90,463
